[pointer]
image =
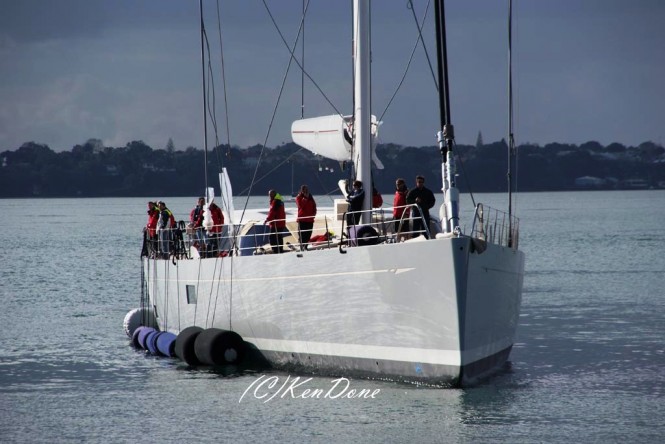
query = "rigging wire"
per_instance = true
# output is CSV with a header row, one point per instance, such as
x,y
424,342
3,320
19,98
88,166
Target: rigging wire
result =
x,y
302,71
279,96
226,103
293,58
516,115
144,291
300,37
286,160
205,117
271,171
420,39
511,138
219,164
352,132
216,279
328,194
371,167
209,102
292,53
212,105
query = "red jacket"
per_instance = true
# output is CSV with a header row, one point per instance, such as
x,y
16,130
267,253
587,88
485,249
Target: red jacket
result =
x,y
153,218
196,217
377,200
306,208
276,214
217,218
398,201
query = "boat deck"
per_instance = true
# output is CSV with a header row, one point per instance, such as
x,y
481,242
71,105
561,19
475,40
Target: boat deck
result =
x,y
330,230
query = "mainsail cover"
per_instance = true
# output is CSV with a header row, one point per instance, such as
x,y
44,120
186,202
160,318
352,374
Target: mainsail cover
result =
x,y
330,137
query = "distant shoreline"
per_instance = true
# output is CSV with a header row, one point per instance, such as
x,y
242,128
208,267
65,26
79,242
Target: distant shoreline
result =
x,y
386,205
92,170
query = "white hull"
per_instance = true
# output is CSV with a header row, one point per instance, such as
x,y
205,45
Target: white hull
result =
x,y
431,311
443,310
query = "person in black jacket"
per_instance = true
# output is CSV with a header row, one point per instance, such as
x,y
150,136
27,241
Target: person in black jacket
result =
x,y
355,200
196,224
425,200
165,225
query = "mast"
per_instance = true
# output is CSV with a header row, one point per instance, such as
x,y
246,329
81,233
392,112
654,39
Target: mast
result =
x,y
205,118
302,75
446,136
361,94
511,138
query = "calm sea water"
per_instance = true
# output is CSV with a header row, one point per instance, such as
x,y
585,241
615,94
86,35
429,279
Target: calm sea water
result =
x,y
588,366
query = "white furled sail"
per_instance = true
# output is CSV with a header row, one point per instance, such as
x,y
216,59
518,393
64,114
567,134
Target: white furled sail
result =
x,y
227,196
330,136
210,195
207,215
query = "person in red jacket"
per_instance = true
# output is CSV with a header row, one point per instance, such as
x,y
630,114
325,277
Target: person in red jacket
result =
x,y
277,221
151,228
215,232
400,212
377,200
306,213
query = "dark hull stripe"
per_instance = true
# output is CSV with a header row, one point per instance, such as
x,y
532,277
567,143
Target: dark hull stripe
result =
x,y
362,368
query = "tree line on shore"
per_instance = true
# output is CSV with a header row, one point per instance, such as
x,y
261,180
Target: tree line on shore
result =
x,y
138,170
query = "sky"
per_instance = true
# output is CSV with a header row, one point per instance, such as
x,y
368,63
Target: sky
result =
x,y
124,70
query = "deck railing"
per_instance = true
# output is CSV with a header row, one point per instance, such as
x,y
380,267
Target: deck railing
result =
x,y
332,231
495,226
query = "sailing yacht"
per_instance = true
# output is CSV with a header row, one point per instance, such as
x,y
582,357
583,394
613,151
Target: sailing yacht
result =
x,y
440,307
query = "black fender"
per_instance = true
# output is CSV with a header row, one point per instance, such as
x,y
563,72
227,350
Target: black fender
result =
x,y
367,235
215,346
184,345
